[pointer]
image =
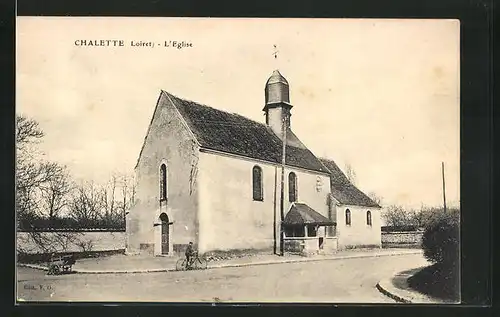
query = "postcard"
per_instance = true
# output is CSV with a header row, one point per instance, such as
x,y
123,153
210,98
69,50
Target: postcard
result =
x,y
237,160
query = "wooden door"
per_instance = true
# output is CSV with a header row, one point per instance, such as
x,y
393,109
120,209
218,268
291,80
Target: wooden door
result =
x,y
164,237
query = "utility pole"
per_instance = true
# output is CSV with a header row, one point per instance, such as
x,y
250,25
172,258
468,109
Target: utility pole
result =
x,y
282,204
444,188
275,223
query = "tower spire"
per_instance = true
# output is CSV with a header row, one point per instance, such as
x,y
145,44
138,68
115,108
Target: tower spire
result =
x,y
277,101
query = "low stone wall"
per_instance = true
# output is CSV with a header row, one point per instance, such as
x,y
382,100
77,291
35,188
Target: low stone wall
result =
x,y
63,242
310,245
293,246
330,245
402,239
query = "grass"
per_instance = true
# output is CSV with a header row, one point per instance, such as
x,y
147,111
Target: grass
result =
x,y
439,281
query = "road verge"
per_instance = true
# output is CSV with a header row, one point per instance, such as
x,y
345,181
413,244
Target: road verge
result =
x,y
397,288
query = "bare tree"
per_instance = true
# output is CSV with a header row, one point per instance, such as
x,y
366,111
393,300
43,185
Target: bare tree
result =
x,y
125,197
376,198
55,191
128,192
117,197
397,216
92,204
108,199
127,184
32,173
27,132
28,172
350,174
86,203
39,183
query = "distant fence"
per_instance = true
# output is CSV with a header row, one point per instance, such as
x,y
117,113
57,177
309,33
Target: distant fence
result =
x,y
408,239
59,241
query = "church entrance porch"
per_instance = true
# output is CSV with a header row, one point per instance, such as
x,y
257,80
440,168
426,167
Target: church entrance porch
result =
x,y
305,231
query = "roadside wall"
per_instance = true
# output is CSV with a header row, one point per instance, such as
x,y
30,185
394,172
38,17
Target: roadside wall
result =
x,y
402,239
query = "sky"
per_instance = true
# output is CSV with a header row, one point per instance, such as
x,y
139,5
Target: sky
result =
x,y
379,95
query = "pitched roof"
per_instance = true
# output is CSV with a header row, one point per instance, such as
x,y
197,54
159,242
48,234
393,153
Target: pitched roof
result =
x,y
343,190
232,133
302,214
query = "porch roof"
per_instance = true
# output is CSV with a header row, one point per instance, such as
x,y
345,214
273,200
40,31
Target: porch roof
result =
x,y
302,214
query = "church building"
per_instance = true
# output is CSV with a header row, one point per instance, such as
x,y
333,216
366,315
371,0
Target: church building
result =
x,y
215,178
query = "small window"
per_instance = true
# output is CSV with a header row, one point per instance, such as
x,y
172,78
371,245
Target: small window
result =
x,y
347,217
257,183
163,182
368,218
292,187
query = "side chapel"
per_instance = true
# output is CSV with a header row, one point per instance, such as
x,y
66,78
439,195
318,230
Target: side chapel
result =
x,y
213,178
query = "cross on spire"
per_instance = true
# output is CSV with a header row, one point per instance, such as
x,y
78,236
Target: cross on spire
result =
x,y
275,53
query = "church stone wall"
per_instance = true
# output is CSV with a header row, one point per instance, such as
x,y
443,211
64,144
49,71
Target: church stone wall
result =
x,y
230,218
359,233
168,141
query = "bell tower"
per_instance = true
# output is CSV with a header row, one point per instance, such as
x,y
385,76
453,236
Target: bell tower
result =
x,y
277,98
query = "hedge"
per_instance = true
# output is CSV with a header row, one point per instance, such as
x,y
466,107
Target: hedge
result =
x,y
440,240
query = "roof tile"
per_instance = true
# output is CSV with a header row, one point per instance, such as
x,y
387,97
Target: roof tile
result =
x,y
232,133
302,214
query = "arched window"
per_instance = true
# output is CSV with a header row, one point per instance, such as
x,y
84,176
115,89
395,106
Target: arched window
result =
x,y
292,187
347,217
257,183
163,182
368,218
